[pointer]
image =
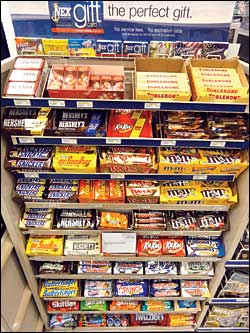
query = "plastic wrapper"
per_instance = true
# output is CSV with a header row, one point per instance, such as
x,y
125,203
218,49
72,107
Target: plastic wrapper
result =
x,y
37,246
96,288
131,288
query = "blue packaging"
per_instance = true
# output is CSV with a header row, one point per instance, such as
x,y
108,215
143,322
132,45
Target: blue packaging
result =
x,y
113,47
139,48
131,288
82,47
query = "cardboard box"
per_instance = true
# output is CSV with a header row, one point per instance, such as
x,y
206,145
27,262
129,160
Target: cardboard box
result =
x,y
118,243
236,95
161,66
147,192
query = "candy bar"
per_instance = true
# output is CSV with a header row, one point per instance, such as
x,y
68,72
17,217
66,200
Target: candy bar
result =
x,y
37,246
223,316
93,306
75,222
148,319
58,293
104,267
157,306
162,288
125,305
75,213
131,288
205,247
93,320
199,268
177,320
62,187
149,246
160,267
82,245
95,288
117,320
113,220
194,289
53,267
61,196
174,247
63,306
128,268
60,284
63,320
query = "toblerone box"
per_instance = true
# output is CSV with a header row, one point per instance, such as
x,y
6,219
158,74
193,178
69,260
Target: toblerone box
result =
x,y
237,94
161,92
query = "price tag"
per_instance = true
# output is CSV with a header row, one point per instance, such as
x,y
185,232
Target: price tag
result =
x,y
81,104
242,300
56,103
144,207
98,205
168,143
69,141
200,177
113,141
117,176
22,102
27,140
31,175
218,144
33,124
152,105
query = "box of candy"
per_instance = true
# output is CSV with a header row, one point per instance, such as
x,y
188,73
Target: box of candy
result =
x,y
161,79
143,192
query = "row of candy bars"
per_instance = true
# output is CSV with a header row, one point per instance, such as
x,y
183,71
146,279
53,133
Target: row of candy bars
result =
x,y
140,246
235,285
92,47
121,320
124,123
123,267
228,316
125,288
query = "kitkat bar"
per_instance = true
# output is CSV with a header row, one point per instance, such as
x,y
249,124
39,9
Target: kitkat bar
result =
x,y
149,246
174,247
29,63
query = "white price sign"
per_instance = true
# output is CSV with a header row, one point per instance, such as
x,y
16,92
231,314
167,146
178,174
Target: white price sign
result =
x,y
200,177
117,176
152,105
56,103
27,140
22,102
69,141
113,141
219,144
81,104
31,175
168,143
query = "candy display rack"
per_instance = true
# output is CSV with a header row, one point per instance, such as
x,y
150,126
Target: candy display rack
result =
x,y
238,215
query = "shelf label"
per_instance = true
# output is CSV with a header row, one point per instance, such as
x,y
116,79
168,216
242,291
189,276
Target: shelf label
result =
x,y
81,104
242,300
56,103
98,205
200,177
27,140
113,141
69,141
217,144
152,105
168,143
144,207
31,175
117,176
22,102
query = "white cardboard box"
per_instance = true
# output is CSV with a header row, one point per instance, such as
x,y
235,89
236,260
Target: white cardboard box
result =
x,y
115,242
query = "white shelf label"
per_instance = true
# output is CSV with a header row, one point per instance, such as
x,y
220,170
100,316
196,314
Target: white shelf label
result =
x,y
31,175
243,300
27,140
144,207
117,176
218,144
69,141
81,104
56,103
168,143
152,105
33,124
200,177
113,141
98,205
22,102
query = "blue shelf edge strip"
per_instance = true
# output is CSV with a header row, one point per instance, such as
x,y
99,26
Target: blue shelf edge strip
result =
x,y
229,301
122,176
137,142
139,105
239,263
222,329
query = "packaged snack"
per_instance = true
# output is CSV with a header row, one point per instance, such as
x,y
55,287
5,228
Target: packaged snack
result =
x,y
187,305
82,245
37,246
75,213
224,316
174,247
86,191
53,268
92,320
199,268
143,192
95,288
75,222
157,306
58,293
28,46
149,220
179,221
236,286
103,267
149,246
113,220
131,288
56,77
59,288
82,47
125,306
194,289
212,221
63,306
55,46
164,288
63,320
41,220
205,247
117,320
176,320
128,268
160,267
93,305
145,319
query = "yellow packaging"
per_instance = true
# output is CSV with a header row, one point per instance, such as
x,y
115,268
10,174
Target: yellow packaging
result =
x,y
78,159
37,246
218,196
43,118
181,184
55,46
180,195
60,284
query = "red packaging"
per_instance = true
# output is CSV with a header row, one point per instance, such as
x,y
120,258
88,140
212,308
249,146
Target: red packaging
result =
x,y
106,83
149,246
144,319
56,77
118,82
63,306
82,82
95,82
174,247
70,78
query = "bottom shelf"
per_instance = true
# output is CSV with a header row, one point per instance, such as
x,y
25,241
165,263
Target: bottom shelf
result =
x,y
126,329
223,329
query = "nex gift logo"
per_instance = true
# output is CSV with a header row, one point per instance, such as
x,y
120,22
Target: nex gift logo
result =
x,y
84,14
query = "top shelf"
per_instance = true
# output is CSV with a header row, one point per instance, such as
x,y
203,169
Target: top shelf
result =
x,y
123,104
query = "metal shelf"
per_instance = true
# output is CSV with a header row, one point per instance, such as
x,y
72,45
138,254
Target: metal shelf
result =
x,y
126,329
130,142
123,104
122,176
126,298
138,232
237,264
124,206
104,276
214,301
122,258
189,311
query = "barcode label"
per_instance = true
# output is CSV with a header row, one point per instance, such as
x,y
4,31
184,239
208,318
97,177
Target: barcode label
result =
x,y
199,177
218,144
152,105
69,141
26,140
56,103
81,104
31,175
168,143
117,176
113,141
22,102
